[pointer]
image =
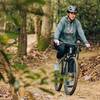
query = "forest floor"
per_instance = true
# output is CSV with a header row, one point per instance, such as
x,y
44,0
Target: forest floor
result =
x,y
88,87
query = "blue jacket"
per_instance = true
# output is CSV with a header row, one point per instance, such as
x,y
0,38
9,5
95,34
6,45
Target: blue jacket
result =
x,y
67,31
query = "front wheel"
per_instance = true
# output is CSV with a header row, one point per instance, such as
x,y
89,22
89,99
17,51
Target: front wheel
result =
x,y
71,76
58,76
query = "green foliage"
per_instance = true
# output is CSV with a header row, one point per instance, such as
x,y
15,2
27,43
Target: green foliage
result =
x,y
25,2
12,35
46,90
20,66
28,2
26,71
14,17
1,77
43,71
33,76
62,7
88,13
4,39
9,56
42,43
12,12
44,80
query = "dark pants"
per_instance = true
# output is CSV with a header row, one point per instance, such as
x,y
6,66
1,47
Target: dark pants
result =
x,y
62,49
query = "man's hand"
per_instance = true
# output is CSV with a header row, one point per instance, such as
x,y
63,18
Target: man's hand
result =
x,y
56,41
87,45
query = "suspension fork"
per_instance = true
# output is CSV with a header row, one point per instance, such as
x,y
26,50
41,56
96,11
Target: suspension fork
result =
x,y
65,69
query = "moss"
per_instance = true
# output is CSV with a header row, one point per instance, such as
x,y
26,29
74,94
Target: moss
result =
x,y
42,43
4,39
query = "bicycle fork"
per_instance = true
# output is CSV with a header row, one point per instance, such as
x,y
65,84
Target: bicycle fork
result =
x,y
65,68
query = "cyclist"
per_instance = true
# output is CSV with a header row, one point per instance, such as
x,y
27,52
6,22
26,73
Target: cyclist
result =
x,y
67,31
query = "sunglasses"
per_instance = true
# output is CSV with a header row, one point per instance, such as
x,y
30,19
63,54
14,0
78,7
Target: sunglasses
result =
x,y
74,13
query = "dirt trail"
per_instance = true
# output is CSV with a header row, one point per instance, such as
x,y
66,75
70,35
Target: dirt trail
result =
x,y
85,90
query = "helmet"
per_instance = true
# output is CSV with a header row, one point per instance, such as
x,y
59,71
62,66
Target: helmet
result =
x,y
72,8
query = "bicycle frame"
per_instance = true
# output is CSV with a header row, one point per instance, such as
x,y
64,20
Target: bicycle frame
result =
x,y
70,54
65,68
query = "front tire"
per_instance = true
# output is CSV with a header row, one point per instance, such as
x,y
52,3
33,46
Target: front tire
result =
x,y
70,83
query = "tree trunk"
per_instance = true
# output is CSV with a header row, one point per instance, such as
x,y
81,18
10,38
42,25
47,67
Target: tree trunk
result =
x,y
22,39
56,13
37,25
43,41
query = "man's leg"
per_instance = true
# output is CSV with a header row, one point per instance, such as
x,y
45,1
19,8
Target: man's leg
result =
x,y
60,54
60,51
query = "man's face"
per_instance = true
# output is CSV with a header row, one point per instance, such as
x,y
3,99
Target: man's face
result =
x,y
71,16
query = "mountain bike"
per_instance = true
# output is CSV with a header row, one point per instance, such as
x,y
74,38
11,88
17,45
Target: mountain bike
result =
x,y
68,70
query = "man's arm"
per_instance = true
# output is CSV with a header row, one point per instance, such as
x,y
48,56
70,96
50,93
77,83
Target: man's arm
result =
x,y
59,29
81,34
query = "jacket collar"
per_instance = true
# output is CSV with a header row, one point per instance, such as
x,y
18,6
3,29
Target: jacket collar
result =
x,y
68,21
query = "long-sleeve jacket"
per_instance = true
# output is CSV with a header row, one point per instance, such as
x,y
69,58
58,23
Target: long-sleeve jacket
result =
x,y
67,31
